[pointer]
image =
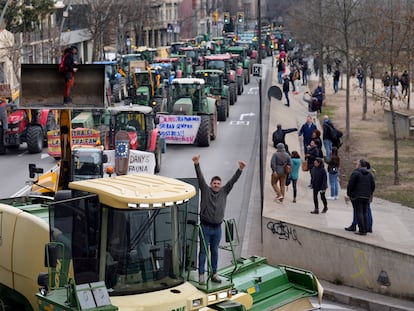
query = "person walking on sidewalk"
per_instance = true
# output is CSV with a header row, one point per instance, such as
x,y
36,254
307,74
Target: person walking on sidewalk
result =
x,y
333,172
212,208
319,185
278,163
361,186
296,164
286,89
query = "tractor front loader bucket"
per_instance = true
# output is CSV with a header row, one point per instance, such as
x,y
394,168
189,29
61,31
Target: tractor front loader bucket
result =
x,y
42,86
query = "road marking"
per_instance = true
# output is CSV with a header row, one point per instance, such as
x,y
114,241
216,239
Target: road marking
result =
x,y
253,90
250,114
239,122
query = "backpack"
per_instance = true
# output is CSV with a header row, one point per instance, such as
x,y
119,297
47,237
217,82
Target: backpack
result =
x,y
62,65
278,137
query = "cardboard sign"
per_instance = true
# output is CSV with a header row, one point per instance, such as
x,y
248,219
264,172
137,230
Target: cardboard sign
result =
x,y
138,162
80,136
179,129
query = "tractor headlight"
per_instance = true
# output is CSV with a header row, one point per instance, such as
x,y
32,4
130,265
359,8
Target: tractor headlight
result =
x,y
212,298
223,295
197,302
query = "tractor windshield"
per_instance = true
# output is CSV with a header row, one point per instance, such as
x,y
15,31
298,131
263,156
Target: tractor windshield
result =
x,y
216,64
133,250
87,163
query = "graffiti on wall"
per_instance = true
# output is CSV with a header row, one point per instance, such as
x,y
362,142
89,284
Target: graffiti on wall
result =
x,y
284,231
361,264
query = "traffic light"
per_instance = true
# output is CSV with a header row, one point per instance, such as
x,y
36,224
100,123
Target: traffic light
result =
x,y
226,17
240,17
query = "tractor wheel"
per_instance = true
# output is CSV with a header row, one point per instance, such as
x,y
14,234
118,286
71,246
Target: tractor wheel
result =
x,y
203,134
158,156
2,146
232,95
34,139
222,110
213,125
228,107
116,91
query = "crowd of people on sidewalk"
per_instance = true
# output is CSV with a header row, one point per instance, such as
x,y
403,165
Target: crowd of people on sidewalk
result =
x,y
324,170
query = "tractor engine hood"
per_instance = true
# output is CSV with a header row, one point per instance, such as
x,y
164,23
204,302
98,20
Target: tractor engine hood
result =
x,y
183,106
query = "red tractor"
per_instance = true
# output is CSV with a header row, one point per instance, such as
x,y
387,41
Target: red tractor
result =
x,y
29,126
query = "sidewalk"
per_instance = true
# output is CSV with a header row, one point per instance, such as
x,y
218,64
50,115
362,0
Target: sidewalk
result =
x,y
393,224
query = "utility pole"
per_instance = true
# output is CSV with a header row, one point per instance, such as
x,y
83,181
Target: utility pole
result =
x,y
259,60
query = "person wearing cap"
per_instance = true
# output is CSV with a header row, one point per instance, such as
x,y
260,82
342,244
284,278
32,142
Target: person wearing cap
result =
x,y
278,162
68,70
319,185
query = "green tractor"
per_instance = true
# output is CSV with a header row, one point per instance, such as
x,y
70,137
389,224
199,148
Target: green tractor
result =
x,y
191,116
147,89
243,59
225,63
216,88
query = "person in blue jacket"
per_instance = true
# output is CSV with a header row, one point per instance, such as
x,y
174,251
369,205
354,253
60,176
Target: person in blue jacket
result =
x,y
306,131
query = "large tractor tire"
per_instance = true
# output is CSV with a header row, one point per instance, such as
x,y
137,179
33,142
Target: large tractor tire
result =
x,y
158,156
213,125
2,146
222,110
34,139
232,95
203,134
116,92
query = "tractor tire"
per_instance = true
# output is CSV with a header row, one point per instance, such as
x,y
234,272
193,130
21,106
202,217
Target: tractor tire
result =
x,y
34,139
158,156
203,134
222,110
2,146
116,91
213,125
232,95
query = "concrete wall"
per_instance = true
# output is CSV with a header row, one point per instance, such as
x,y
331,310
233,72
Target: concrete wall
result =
x,y
354,263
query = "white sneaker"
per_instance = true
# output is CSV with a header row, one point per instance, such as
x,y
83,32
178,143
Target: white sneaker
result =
x,y
336,198
201,279
330,198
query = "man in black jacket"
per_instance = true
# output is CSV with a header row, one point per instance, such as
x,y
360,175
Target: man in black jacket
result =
x,y
279,136
361,186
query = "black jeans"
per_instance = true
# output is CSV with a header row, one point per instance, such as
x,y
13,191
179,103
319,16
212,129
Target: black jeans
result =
x,y
361,211
315,199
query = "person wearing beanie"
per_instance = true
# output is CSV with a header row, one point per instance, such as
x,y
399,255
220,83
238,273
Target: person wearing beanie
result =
x,y
278,163
319,185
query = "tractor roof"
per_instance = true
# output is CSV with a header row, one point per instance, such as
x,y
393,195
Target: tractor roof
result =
x,y
210,71
140,191
188,81
130,108
218,57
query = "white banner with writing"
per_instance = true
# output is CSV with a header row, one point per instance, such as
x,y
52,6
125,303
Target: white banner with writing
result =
x,y
179,129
